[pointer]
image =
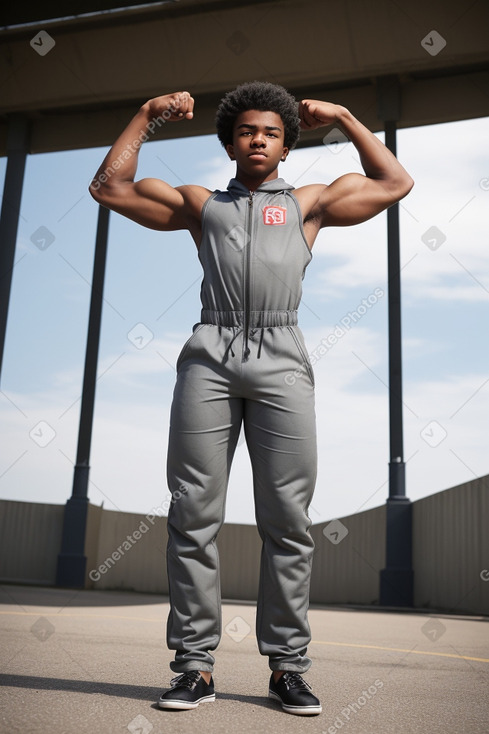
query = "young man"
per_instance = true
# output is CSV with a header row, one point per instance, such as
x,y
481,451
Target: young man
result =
x,y
254,241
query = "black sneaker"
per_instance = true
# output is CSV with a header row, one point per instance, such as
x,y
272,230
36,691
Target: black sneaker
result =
x,y
294,694
187,691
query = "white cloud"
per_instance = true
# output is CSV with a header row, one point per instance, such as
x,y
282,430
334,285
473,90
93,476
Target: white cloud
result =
x,y
353,428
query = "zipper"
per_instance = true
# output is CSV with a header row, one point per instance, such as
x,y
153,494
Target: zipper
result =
x,y
247,277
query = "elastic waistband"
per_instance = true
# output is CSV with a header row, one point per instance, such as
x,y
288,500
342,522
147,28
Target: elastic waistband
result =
x,y
257,319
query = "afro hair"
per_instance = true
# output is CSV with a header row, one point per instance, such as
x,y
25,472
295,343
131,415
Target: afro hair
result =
x,y
262,96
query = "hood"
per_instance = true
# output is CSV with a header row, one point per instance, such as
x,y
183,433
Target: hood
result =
x,y
274,186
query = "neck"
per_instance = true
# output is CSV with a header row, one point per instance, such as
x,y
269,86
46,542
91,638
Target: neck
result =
x,y
253,182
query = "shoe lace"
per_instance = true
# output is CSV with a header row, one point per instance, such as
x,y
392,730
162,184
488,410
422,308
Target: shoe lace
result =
x,y
295,680
186,680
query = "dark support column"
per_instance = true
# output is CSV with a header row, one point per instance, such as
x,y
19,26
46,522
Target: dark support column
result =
x,y
396,579
72,560
17,142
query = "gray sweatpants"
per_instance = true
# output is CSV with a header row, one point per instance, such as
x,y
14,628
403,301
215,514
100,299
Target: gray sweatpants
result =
x,y
216,390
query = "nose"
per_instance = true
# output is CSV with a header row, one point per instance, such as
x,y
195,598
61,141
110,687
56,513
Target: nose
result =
x,y
258,140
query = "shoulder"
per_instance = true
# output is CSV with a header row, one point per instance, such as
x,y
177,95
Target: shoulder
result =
x,y
193,198
193,194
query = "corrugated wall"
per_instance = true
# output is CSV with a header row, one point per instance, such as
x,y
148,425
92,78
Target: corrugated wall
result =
x,y
127,551
131,553
30,539
349,554
451,549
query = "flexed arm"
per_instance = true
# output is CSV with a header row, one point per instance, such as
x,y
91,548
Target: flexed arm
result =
x,y
150,201
354,197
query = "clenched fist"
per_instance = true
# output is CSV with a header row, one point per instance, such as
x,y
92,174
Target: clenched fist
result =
x,y
313,113
171,107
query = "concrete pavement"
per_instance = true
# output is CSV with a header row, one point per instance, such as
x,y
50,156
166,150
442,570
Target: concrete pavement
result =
x,y
96,661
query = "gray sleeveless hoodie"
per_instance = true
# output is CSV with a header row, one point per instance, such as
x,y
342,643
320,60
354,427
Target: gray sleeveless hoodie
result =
x,y
254,255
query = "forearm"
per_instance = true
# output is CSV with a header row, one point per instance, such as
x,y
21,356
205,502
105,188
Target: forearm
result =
x,y
376,159
120,163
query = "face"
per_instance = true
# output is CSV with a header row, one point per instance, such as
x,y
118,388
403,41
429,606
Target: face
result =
x,y
258,143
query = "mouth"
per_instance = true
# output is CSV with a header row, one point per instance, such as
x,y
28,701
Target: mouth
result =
x,y
257,156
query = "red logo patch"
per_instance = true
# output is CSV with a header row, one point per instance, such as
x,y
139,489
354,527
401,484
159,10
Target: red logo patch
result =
x,y
274,215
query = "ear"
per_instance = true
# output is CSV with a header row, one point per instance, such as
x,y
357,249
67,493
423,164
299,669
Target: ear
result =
x,y
230,151
285,153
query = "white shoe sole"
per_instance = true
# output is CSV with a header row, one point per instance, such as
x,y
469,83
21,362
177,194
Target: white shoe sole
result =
x,y
182,705
297,710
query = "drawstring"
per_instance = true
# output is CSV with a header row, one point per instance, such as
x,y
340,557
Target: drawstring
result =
x,y
229,348
246,350
260,320
260,343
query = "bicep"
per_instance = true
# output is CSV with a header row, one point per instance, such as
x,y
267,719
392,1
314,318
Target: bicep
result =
x,y
150,202
354,198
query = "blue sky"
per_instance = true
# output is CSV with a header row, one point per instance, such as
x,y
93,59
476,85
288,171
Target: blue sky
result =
x,y
152,301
